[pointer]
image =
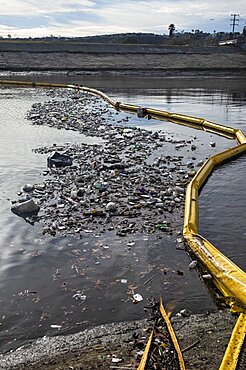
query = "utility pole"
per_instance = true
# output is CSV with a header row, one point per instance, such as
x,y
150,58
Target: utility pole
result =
x,y
234,21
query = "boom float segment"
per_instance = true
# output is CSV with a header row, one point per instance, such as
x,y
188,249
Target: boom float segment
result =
x,y
232,353
145,355
173,336
229,278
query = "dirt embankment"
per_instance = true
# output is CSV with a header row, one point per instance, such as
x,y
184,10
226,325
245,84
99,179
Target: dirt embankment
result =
x,y
152,60
203,340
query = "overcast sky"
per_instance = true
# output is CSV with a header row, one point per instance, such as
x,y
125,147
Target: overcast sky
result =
x,y
24,18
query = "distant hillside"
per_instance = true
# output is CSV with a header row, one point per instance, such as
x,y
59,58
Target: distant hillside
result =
x,y
120,38
194,38
126,38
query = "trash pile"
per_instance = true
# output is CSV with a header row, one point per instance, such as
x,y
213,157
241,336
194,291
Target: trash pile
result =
x,y
129,183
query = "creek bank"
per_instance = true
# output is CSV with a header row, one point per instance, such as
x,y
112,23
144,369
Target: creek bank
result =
x,y
203,338
131,60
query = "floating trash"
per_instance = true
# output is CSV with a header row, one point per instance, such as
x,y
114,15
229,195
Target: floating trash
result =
x,y
141,112
123,281
116,360
28,188
59,160
118,186
185,312
193,264
137,298
54,326
111,207
79,296
191,173
25,208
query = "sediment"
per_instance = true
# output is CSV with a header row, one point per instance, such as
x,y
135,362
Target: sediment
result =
x,y
104,59
203,339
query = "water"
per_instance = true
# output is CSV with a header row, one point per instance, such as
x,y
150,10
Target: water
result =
x,y
39,275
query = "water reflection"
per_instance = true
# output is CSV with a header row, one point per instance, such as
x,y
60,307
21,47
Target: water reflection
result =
x,y
222,209
239,97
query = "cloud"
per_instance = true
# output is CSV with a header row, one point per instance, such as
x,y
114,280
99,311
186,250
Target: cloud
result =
x,y
33,7
91,17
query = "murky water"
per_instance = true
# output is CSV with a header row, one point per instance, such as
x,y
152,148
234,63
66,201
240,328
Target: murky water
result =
x,y
39,275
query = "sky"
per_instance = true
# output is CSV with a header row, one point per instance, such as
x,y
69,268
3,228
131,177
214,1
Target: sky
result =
x,y
32,18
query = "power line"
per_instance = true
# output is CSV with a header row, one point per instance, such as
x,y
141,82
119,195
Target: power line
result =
x,y
234,20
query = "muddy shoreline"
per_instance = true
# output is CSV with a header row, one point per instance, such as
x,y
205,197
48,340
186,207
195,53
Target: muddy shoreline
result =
x,y
101,71
203,338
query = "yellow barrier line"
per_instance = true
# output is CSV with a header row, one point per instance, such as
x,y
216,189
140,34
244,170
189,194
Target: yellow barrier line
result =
x,y
96,92
233,350
195,126
215,126
191,210
145,355
128,107
193,120
32,84
227,276
191,202
240,136
173,336
176,116
223,268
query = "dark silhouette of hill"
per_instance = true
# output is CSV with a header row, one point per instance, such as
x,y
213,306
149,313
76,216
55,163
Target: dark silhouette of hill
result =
x,y
119,38
126,38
